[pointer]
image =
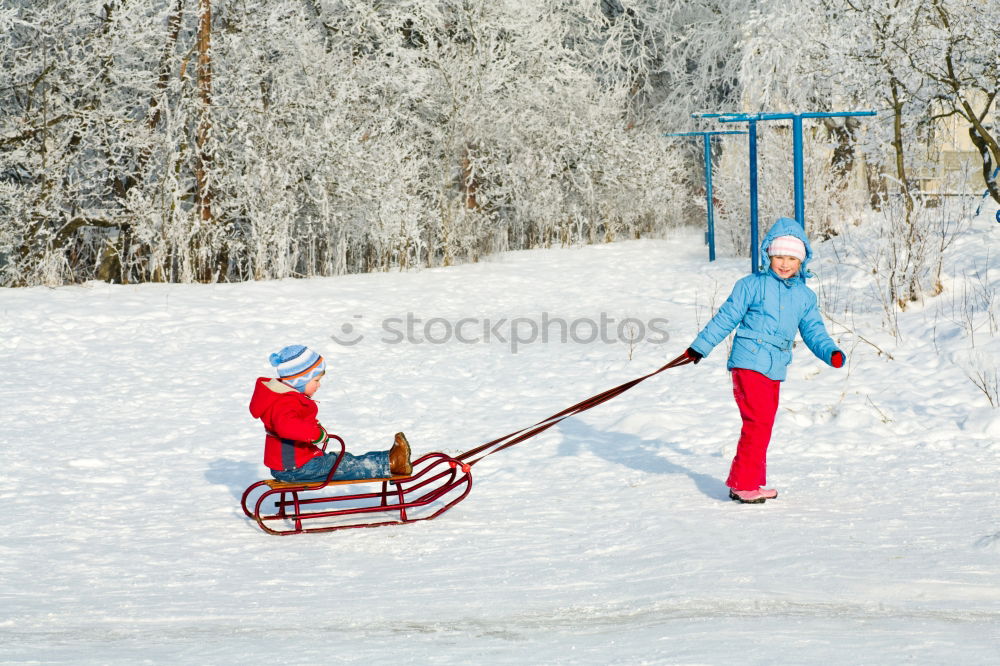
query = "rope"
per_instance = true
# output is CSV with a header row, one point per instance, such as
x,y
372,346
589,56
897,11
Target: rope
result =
x,y
523,434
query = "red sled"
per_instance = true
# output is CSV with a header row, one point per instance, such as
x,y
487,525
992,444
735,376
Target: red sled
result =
x,y
437,483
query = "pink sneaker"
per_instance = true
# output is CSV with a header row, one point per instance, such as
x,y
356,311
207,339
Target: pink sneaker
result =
x,y
768,493
756,496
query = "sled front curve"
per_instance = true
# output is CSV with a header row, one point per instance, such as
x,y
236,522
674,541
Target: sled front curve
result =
x,y
437,483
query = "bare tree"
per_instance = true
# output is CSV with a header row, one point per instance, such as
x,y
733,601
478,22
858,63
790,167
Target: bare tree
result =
x,y
959,53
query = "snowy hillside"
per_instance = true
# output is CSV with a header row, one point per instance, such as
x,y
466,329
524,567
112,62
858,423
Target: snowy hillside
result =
x,y
126,444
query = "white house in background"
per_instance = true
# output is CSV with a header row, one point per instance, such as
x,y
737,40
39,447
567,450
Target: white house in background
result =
x,y
954,165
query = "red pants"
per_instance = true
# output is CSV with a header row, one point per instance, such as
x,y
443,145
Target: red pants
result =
x,y
757,398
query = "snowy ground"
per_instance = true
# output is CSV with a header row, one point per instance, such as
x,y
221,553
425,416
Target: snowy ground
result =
x,y
126,444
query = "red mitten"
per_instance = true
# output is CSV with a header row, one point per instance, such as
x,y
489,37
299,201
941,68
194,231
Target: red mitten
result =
x,y
692,354
837,359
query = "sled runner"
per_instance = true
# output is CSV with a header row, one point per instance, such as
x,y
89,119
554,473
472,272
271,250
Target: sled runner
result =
x,y
438,482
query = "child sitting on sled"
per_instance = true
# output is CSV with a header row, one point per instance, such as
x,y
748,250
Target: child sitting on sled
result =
x,y
768,308
292,448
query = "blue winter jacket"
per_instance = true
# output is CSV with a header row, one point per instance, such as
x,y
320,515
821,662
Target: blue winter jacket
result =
x,y
768,311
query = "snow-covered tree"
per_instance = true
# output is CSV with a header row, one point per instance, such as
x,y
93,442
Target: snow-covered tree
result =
x,y
250,139
958,53
234,139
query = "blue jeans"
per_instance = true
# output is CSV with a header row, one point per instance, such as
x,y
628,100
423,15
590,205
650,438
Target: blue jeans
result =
x,y
372,465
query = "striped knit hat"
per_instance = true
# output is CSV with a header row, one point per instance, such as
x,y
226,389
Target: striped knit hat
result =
x,y
787,246
296,365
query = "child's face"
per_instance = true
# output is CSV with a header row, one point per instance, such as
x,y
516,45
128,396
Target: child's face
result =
x,y
312,386
785,267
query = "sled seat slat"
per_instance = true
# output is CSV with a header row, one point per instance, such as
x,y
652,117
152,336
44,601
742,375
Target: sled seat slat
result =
x,y
274,484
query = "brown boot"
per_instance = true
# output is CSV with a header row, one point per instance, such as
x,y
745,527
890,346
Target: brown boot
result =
x,y
399,457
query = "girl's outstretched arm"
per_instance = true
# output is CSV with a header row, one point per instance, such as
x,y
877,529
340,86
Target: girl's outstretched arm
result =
x,y
726,318
814,334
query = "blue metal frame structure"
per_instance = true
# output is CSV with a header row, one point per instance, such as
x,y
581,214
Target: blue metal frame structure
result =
x,y
709,204
751,119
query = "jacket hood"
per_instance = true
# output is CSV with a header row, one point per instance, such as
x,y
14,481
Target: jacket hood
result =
x,y
265,392
786,226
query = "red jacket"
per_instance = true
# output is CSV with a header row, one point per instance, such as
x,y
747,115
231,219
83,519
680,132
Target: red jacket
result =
x,y
290,420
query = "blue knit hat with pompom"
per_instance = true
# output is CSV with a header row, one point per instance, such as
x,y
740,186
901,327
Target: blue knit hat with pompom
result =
x,y
296,365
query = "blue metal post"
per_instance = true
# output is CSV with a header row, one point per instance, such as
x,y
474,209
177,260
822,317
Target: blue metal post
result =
x,y
800,190
709,202
754,258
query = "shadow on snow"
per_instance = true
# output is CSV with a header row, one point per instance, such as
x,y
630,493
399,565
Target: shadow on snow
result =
x,y
644,455
236,475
